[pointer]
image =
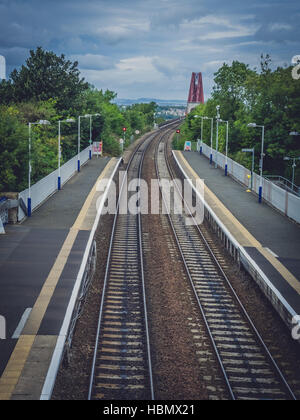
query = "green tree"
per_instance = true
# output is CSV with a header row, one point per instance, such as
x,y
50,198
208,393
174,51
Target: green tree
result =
x,y
46,76
267,97
49,88
230,87
13,151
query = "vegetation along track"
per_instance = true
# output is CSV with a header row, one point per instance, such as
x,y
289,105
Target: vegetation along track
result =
x,y
249,370
121,366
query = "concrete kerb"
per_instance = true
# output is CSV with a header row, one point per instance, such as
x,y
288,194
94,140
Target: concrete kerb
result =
x,y
60,345
283,308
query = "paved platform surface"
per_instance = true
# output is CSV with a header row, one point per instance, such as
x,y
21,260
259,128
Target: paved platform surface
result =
x,y
39,264
270,238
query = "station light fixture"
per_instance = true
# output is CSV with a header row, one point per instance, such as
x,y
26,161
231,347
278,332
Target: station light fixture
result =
x,y
68,120
254,125
294,164
40,122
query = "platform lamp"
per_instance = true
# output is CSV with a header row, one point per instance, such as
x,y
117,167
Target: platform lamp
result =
x,y
69,120
202,118
294,133
293,159
226,153
254,125
41,122
211,138
78,152
217,134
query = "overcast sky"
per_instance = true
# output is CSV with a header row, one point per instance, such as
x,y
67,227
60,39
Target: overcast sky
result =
x,y
150,48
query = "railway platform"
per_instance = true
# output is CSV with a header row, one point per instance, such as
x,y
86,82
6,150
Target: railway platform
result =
x,y
41,266
268,239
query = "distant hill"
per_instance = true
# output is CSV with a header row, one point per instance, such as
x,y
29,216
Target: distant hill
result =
x,y
160,102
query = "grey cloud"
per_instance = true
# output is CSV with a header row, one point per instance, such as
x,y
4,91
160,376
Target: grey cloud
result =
x,y
279,31
175,37
94,61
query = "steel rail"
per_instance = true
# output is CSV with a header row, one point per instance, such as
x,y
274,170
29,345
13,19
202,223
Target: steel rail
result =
x,y
192,283
140,247
241,306
108,268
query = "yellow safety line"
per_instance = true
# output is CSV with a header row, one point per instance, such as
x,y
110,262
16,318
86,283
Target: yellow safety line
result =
x,y
14,367
234,224
79,221
18,358
39,309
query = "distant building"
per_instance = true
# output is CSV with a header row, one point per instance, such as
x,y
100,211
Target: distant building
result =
x,y
196,95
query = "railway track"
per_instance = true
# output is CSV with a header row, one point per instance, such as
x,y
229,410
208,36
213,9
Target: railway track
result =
x,y
248,368
121,367
122,359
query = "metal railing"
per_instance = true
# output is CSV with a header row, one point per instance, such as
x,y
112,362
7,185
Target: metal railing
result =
x,y
284,183
283,200
44,188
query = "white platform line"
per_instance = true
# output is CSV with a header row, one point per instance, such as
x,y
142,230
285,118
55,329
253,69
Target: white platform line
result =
x,y
289,309
60,344
20,327
271,252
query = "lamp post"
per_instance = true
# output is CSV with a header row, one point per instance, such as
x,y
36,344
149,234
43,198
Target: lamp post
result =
x,y
217,135
211,137
293,166
201,146
199,116
78,152
254,125
91,117
41,122
226,153
69,120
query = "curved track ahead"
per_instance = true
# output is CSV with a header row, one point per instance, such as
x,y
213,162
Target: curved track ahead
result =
x,y
122,359
248,368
